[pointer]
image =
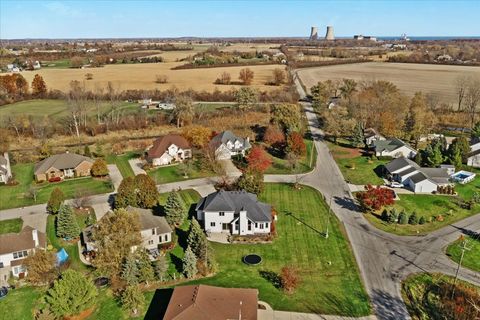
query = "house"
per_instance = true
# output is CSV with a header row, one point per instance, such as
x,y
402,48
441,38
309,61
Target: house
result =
x,y
203,302
168,149
12,68
416,178
5,169
394,148
235,212
226,145
61,166
15,247
370,135
473,158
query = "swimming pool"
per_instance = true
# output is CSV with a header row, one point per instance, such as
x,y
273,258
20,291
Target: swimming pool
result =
x,y
463,177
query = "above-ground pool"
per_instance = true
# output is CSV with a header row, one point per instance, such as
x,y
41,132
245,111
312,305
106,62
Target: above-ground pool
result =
x,y
463,176
252,259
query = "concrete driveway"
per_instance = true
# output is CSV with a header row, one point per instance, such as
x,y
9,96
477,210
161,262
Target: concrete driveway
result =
x,y
115,175
230,169
37,221
137,165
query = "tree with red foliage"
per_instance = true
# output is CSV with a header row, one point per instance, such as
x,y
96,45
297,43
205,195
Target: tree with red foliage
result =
x,y
289,279
258,159
295,144
274,136
375,198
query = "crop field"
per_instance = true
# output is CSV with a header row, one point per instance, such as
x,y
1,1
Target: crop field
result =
x,y
409,78
142,76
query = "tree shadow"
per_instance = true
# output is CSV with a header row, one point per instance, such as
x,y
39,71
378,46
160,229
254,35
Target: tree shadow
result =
x,y
182,238
192,213
177,262
475,235
290,214
346,203
388,307
380,170
271,277
158,305
158,210
259,131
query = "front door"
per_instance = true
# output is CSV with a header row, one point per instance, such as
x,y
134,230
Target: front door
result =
x,y
226,226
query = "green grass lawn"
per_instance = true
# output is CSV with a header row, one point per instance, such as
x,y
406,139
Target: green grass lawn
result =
x,y
471,259
305,164
16,196
122,163
171,173
11,225
20,303
57,64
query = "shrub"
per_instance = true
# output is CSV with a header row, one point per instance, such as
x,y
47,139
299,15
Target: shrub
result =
x,y
99,168
422,220
289,279
375,198
161,78
385,215
393,216
55,179
402,218
413,219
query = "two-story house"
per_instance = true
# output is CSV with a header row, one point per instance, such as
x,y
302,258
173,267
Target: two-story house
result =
x,y
168,149
5,169
15,247
226,145
235,212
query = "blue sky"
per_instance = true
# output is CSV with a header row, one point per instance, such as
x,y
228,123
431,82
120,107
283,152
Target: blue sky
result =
x,y
122,18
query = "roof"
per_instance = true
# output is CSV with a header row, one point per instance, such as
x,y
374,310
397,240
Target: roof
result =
x,y
437,175
150,221
418,177
202,302
225,136
163,143
389,144
407,171
3,160
474,153
370,132
60,162
13,242
236,201
400,163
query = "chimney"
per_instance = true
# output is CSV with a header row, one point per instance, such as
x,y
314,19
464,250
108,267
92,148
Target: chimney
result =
x,y
35,237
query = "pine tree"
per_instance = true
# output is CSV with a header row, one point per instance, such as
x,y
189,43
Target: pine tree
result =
x,y
133,299
413,219
393,218
402,218
357,136
189,263
160,267
145,268
422,220
175,212
455,157
130,270
419,158
197,240
475,133
56,199
86,151
435,157
67,225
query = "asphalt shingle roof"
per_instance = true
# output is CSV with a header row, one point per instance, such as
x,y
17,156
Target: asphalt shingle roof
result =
x,y
226,136
400,163
163,143
150,221
13,242
389,145
60,161
418,177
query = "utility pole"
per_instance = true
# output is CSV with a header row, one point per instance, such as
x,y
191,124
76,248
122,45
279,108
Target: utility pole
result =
x,y
328,216
464,248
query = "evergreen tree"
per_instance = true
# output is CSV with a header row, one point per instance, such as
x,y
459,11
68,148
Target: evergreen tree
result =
x,y
130,272
56,199
413,219
71,294
419,158
67,225
132,299
475,133
86,151
462,144
197,240
145,268
357,137
175,212
393,218
421,220
251,182
455,157
189,263
160,267
385,215
402,218
434,157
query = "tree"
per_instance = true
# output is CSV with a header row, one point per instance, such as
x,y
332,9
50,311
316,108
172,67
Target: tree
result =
x,y
273,136
246,76
419,119
161,78
418,158
251,182
130,270
76,62
71,294
66,224
320,94
175,211
197,240
189,263
295,144
198,136
147,192
475,133
41,267
393,217
115,234
99,168
145,268
357,136
472,98
224,78
434,155
86,151
160,266
258,159
278,76
375,198
347,88
461,88
246,98
126,194
422,220
184,110
39,88
459,145
289,279
402,218
337,122
287,116
132,299
413,218
56,199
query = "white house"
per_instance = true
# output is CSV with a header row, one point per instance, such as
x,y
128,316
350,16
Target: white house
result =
x,y
394,148
168,149
226,145
15,247
371,135
5,168
473,159
235,212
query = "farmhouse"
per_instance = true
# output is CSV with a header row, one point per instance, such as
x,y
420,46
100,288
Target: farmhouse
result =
x,y
226,145
371,135
204,302
5,169
61,166
15,247
168,149
394,148
235,212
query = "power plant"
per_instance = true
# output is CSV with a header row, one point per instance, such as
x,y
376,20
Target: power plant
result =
x,y
329,35
314,33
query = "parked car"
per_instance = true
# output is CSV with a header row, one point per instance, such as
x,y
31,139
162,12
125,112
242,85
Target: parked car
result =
x,y
3,292
394,184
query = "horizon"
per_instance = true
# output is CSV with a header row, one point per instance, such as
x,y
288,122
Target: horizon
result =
x,y
227,19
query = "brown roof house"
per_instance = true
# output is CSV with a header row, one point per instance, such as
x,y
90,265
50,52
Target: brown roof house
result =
x,y
202,302
15,247
168,149
64,165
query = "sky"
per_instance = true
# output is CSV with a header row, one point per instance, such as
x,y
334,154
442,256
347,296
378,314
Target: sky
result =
x,y
130,19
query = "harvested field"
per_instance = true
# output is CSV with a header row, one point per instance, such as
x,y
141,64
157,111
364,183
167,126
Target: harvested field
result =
x,y
436,79
142,76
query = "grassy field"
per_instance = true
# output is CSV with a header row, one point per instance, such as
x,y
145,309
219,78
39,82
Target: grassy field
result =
x,y
171,173
305,164
408,77
142,76
16,196
471,259
11,225
20,303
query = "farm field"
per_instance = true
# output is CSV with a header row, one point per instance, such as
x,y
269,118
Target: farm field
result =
x,y
142,76
436,79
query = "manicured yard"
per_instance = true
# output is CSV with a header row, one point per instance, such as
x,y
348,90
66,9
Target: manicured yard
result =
x,y
171,173
471,259
11,225
122,163
20,303
305,164
16,196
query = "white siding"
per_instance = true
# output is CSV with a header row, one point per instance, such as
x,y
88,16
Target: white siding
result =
x,y
213,221
474,161
397,153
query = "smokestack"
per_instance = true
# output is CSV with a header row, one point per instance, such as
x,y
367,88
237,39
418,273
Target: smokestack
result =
x,y
329,35
314,33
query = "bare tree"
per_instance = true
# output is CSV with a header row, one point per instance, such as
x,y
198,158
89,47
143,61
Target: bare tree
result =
x,y
461,88
472,98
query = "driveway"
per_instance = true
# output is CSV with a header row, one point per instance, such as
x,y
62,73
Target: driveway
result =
x,y
230,169
136,165
37,221
115,175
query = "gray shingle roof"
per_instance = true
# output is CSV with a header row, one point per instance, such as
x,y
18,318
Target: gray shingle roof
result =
x,y
60,161
149,221
400,163
226,136
389,145
237,201
407,171
418,177
3,160
437,175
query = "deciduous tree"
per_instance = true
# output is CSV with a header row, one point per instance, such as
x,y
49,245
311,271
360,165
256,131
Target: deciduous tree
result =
x,y
56,199
39,87
258,159
41,267
246,98
140,191
278,76
375,198
184,110
99,168
287,116
246,76
197,135
251,181
274,136
295,144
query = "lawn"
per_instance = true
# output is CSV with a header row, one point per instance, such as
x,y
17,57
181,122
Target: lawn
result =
x,y
11,226
122,163
305,163
20,303
171,173
16,196
471,258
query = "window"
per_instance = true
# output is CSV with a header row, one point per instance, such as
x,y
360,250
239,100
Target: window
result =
x,y
150,242
221,214
1,264
153,231
166,237
261,225
266,225
20,254
256,225
212,224
19,269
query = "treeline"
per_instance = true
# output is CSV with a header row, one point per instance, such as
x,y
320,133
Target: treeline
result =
x,y
309,64
220,65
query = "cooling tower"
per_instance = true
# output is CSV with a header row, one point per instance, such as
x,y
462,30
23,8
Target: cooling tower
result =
x,y
314,33
329,35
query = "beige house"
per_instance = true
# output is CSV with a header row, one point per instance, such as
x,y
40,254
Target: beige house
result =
x,y
64,165
155,230
168,149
